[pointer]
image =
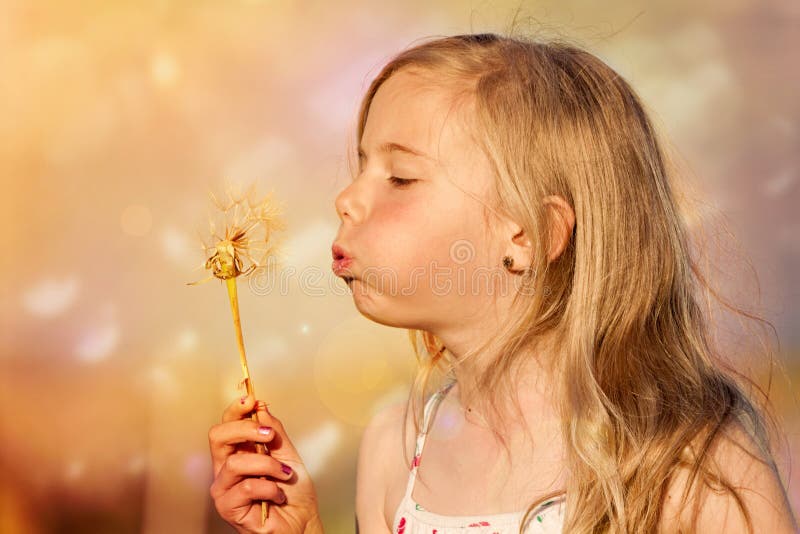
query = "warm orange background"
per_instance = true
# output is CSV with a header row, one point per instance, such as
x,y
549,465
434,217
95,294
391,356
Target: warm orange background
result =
x,y
116,118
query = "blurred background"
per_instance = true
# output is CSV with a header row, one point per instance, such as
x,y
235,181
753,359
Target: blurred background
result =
x,y
117,119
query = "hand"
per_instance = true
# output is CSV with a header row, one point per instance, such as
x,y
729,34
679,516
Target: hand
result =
x,y
237,489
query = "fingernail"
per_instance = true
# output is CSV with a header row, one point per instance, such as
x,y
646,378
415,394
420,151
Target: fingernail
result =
x,y
264,430
286,469
244,398
283,495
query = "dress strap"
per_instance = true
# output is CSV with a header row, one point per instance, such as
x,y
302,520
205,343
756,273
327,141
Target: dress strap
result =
x,y
427,417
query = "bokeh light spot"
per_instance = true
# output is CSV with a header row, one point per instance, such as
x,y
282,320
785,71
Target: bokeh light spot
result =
x,y
51,296
164,69
98,343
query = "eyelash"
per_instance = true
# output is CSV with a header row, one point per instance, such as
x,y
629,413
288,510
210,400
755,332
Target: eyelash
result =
x,y
401,182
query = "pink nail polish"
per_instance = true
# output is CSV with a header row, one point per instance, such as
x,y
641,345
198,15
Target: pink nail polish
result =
x,y
286,469
264,430
244,398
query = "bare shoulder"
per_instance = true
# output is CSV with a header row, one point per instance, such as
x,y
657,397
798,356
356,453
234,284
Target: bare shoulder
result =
x,y
735,455
380,450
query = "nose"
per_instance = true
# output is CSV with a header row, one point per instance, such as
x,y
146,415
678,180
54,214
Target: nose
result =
x,y
349,203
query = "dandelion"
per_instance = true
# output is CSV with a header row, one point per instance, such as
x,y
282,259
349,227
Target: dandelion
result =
x,y
248,226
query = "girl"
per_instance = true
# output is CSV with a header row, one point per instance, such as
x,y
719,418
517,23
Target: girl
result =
x,y
512,209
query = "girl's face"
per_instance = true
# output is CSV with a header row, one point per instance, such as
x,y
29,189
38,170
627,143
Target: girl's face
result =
x,y
416,245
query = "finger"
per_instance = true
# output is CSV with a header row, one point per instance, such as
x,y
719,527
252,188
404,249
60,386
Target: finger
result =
x,y
238,409
224,437
281,446
239,467
236,505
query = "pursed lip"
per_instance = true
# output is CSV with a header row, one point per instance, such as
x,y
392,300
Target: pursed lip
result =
x,y
340,267
339,252
341,261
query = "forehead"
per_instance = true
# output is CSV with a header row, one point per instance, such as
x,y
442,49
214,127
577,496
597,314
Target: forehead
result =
x,y
408,110
411,109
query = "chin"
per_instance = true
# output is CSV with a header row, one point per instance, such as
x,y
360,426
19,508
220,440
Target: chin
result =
x,y
379,319
387,319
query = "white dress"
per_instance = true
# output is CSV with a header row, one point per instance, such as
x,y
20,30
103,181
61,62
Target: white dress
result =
x,y
412,518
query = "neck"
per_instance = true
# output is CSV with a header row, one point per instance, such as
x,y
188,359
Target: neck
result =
x,y
532,380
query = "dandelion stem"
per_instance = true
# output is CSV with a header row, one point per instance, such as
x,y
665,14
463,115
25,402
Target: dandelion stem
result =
x,y
226,260
237,326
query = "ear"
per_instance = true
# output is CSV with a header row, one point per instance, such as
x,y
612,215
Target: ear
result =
x,y
520,248
561,220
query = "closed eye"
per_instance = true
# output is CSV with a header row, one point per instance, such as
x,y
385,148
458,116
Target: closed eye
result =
x,y
401,182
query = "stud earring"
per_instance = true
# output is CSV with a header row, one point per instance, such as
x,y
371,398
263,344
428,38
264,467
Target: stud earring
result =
x,y
508,262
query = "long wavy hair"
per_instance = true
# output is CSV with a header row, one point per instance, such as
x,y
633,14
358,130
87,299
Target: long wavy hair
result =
x,y
643,389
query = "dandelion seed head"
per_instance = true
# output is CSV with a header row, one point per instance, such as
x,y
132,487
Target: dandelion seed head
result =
x,y
242,232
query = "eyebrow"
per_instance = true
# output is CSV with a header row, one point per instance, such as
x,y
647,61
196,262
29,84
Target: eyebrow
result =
x,y
390,146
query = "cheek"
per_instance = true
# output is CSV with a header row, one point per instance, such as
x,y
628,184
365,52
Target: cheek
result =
x,y
399,212
454,243
461,250
426,232
402,232
460,240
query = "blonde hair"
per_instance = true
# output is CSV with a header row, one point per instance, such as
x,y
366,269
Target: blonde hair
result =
x,y
643,390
